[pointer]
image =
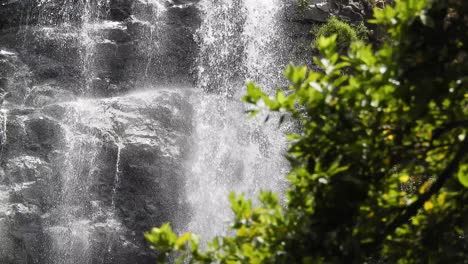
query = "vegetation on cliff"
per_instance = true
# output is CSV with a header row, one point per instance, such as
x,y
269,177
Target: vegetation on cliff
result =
x,y
379,171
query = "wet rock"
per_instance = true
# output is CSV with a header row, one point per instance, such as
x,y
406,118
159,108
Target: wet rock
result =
x,y
30,133
46,94
36,193
15,75
137,28
7,246
10,10
319,11
69,76
26,169
118,35
172,28
21,239
16,136
8,60
353,12
101,85
57,43
43,132
121,9
128,190
149,164
26,230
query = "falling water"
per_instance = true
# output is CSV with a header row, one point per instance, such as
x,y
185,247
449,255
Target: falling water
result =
x,y
230,152
72,231
263,41
219,63
3,134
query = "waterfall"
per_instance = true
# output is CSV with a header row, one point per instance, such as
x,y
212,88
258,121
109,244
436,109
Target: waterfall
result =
x,y
126,114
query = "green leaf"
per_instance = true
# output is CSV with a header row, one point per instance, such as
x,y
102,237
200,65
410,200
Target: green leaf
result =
x,y
254,93
280,97
182,240
324,43
462,175
296,74
252,112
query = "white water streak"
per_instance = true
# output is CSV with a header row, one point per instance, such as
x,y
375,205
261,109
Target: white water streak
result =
x,y
120,146
4,129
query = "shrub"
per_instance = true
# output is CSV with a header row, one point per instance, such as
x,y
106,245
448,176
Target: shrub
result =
x,y
346,33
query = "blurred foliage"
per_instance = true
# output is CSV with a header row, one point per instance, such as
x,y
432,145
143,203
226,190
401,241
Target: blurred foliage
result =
x,y
379,171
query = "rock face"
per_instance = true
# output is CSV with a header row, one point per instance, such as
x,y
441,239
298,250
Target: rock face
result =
x,y
318,11
114,48
321,10
109,169
80,181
